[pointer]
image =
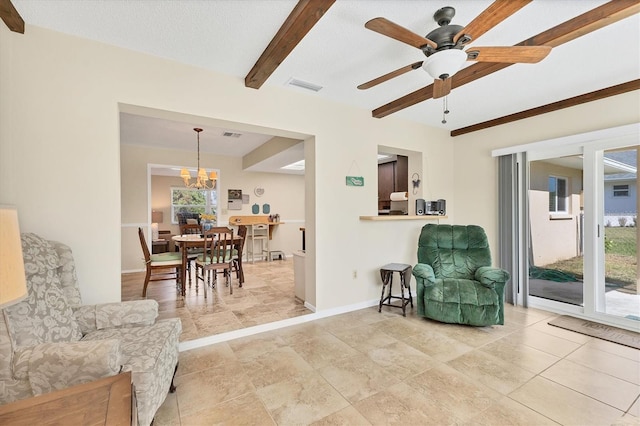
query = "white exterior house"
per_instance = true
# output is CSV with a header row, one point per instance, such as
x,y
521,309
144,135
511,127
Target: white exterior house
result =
x,y
621,189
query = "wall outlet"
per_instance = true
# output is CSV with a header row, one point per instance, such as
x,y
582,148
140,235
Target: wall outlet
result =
x,y
355,273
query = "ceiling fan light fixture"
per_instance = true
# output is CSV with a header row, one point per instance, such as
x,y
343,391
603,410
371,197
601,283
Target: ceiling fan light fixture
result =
x,y
444,63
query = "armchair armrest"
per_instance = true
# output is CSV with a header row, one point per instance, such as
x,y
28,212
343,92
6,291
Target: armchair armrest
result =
x,y
424,271
54,366
111,315
489,276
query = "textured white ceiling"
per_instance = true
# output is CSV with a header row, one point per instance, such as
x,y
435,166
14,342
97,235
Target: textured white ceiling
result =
x,y
339,53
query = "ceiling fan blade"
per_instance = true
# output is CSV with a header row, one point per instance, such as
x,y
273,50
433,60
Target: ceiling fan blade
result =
x,y
441,88
508,54
389,76
398,32
497,12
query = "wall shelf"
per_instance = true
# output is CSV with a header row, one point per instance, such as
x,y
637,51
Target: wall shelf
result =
x,y
402,217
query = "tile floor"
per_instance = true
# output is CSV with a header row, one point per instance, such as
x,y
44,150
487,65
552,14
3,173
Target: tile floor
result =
x,y
266,296
366,367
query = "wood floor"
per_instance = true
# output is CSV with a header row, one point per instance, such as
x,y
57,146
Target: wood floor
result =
x,y
267,295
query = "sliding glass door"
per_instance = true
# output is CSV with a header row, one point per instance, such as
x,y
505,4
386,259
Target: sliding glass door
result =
x,y
582,231
556,223
618,276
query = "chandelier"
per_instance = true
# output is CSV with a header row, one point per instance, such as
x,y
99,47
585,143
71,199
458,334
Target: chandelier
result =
x,y
202,180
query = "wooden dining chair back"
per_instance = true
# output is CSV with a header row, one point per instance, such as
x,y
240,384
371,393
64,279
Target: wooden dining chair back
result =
x,y
237,261
161,266
192,252
217,256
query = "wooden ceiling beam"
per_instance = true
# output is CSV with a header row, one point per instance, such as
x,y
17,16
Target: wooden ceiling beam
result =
x,y
555,106
11,17
302,18
592,20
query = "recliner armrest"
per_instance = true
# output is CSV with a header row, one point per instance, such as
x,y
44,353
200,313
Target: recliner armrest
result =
x,y
55,366
424,271
490,277
120,314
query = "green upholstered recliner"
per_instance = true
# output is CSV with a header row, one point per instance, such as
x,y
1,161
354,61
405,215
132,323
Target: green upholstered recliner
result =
x,y
455,280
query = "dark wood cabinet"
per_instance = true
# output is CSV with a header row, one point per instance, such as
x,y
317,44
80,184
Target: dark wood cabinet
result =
x,y
392,177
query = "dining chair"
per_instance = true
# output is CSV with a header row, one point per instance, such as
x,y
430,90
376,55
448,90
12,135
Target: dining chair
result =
x,y
218,253
192,252
158,265
237,259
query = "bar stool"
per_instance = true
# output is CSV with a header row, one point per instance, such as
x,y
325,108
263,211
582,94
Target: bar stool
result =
x,y
386,273
259,232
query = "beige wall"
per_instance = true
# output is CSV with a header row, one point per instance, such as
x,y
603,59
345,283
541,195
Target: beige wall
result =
x,y
284,193
59,108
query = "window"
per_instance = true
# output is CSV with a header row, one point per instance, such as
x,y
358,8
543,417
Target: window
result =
x,y
620,190
557,195
186,200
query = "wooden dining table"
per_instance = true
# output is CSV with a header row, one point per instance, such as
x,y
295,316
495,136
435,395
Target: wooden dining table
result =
x,y
184,243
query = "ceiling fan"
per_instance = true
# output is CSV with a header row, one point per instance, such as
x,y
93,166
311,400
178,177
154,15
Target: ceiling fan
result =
x,y
443,46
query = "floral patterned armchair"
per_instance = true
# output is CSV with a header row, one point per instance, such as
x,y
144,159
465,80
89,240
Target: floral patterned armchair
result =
x,y
49,341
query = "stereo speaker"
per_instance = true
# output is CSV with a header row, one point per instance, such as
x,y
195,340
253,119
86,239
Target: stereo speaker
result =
x,y
420,207
442,207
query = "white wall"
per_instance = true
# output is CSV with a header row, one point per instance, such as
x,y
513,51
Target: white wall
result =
x,y
61,97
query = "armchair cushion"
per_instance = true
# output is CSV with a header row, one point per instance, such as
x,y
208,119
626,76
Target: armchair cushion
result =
x,y
489,277
425,272
109,315
54,366
32,321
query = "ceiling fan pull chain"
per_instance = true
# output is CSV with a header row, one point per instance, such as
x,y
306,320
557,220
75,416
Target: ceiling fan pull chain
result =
x,y
445,109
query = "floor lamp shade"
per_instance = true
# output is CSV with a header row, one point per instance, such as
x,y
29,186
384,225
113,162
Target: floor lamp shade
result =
x,y
13,283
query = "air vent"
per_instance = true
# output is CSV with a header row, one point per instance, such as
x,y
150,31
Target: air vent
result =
x,y
232,134
304,85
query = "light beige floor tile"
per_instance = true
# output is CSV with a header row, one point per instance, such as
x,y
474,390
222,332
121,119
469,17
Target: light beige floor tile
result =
x,y
247,348
608,389
564,405
205,388
398,327
401,360
400,405
471,336
572,336
204,358
523,356
614,365
493,372
323,350
545,342
354,319
453,391
524,317
275,366
364,337
437,345
508,412
301,400
346,417
301,332
357,377
627,420
246,409
616,349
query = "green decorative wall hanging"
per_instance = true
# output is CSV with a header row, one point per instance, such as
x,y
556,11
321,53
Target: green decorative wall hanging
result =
x,y
355,181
